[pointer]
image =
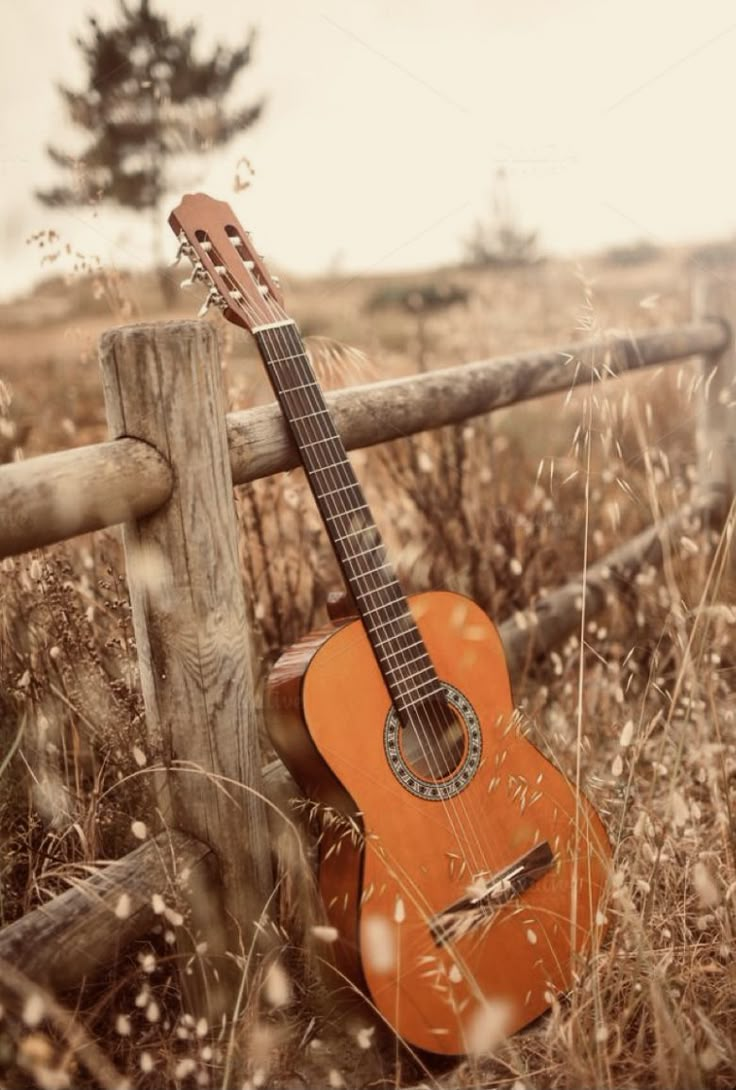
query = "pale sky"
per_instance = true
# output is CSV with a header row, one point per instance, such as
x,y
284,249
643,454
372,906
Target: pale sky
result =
x,y
386,120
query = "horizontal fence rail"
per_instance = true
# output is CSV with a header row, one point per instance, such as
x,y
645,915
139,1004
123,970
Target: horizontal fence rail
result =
x,y
77,933
382,411
57,496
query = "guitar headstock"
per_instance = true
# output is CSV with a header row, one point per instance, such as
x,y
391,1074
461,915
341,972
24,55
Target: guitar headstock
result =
x,y
224,259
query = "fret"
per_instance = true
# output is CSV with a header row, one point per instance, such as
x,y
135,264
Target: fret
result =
x,y
285,359
347,514
390,620
342,488
306,416
403,665
372,571
411,703
363,552
415,688
377,609
304,386
401,651
375,590
326,469
318,442
365,593
355,533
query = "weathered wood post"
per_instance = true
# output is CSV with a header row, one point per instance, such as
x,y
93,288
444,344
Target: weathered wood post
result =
x,y
714,296
163,385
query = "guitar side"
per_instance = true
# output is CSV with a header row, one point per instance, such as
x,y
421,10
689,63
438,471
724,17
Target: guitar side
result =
x,y
391,862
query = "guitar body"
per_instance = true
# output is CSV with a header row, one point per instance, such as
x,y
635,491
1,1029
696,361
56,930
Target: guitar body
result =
x,y
392,862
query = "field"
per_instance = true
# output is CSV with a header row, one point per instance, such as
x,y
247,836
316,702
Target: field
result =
x,y
504,509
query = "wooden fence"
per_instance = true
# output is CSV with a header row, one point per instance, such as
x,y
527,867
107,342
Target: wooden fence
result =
x,y
167,474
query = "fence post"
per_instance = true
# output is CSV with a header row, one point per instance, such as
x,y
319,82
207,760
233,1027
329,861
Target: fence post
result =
x,y
714,296
163,385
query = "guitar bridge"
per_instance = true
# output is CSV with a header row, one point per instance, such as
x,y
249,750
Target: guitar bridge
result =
x,y
475,908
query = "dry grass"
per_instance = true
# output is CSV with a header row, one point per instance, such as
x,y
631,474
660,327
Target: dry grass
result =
x,y
497,509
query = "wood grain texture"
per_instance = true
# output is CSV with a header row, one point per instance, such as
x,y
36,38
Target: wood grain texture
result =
x,y
381,411
714,297
56,496
81,932
163,385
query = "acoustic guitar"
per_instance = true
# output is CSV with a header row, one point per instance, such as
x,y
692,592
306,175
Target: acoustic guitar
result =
x,y
461,870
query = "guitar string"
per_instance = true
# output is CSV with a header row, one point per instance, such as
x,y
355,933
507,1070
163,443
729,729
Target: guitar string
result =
x,y
289,342
275,312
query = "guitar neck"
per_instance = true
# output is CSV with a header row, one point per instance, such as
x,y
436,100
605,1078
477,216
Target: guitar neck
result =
x,y
361,554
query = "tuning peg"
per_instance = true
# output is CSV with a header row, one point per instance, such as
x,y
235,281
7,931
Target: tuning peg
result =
x,y
198,273
277,281
185,250
213,299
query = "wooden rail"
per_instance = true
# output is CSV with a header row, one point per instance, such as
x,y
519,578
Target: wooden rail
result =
x,y
381,411
52,498
167,474
57,496
78,933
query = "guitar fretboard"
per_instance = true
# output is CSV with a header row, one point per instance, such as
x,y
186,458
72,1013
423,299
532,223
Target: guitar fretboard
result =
x,y
397,644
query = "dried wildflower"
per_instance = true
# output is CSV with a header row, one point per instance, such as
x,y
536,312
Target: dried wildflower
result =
x,y
705,886
123,1025
276,986
184,1067
123,906
34,1010
379,942
487,1027
325,933
627,734
365,1036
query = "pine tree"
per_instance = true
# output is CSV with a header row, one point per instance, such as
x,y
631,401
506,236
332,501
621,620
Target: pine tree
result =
x,y
149,99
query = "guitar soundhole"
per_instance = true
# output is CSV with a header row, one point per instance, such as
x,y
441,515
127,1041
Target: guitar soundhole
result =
x,y
434,750
438,753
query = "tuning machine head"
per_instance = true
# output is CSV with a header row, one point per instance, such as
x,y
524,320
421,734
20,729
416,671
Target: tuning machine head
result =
x,y
224,258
